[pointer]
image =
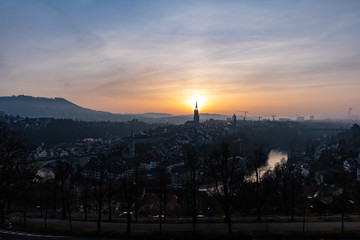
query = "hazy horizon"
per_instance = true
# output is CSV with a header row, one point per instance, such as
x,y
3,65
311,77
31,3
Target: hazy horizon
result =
x,y
288,58
239,114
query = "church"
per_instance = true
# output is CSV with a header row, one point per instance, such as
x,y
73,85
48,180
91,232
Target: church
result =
x,y
196,119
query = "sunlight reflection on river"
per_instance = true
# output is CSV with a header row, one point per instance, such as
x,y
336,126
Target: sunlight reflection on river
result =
x,y
273,158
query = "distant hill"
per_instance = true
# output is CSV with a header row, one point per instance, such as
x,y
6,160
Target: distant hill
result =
x,y
35,107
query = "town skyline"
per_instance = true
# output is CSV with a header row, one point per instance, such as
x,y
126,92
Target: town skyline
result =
x,y
58,107
278,57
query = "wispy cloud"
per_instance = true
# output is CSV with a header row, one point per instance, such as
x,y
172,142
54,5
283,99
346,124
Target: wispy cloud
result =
x,y
130,51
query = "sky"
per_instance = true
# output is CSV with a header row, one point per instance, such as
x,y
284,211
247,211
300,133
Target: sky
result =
x,y
288,58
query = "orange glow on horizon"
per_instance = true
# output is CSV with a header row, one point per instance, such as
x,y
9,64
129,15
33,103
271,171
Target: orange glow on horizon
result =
x,y
182,102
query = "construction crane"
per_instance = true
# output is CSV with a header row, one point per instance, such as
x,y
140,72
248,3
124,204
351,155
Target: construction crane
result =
x,y
273,116
245,112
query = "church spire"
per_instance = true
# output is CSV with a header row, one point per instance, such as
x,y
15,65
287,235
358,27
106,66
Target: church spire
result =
x,y
196,114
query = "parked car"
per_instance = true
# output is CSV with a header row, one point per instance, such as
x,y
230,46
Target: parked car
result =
x,y
124,214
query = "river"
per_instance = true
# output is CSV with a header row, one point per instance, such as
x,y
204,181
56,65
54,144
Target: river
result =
x,y
275,157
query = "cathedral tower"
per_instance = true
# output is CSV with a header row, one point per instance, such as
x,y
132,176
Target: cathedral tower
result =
x,y
196,114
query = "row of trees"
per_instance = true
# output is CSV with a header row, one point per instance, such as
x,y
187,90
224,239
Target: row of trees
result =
x,y
235,185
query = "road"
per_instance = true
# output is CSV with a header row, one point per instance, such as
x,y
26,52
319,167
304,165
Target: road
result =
x,y
182,227
14,235
11,235
202,226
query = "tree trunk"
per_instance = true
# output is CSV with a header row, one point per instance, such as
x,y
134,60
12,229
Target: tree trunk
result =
x,y
86,211
9,205
304,216
45,219
70,219
136,195
230,227
165,200
128,217
258,213
63,207
342,220
2,212
193,225
136,204
25,211
99,216
228,218
25,215
194,215
257,189
110,212
46,209
292,198
54,204
160,218
194,197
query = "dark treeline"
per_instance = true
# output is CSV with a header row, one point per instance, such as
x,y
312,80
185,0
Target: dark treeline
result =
x,y
217,180
50,131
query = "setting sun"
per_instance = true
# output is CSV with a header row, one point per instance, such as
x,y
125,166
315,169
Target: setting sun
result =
x,y
196,98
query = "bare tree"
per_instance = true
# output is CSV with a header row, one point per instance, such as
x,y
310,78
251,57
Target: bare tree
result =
x,y
137,182
97,171
223,171
191,184
110,194
45,179
12,157
24,187
85,192
128,190
65,177
258,167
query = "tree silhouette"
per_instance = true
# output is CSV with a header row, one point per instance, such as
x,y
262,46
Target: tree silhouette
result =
x,y
12,157
128,187
258,166
65,179
97,171
223,172
191,184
